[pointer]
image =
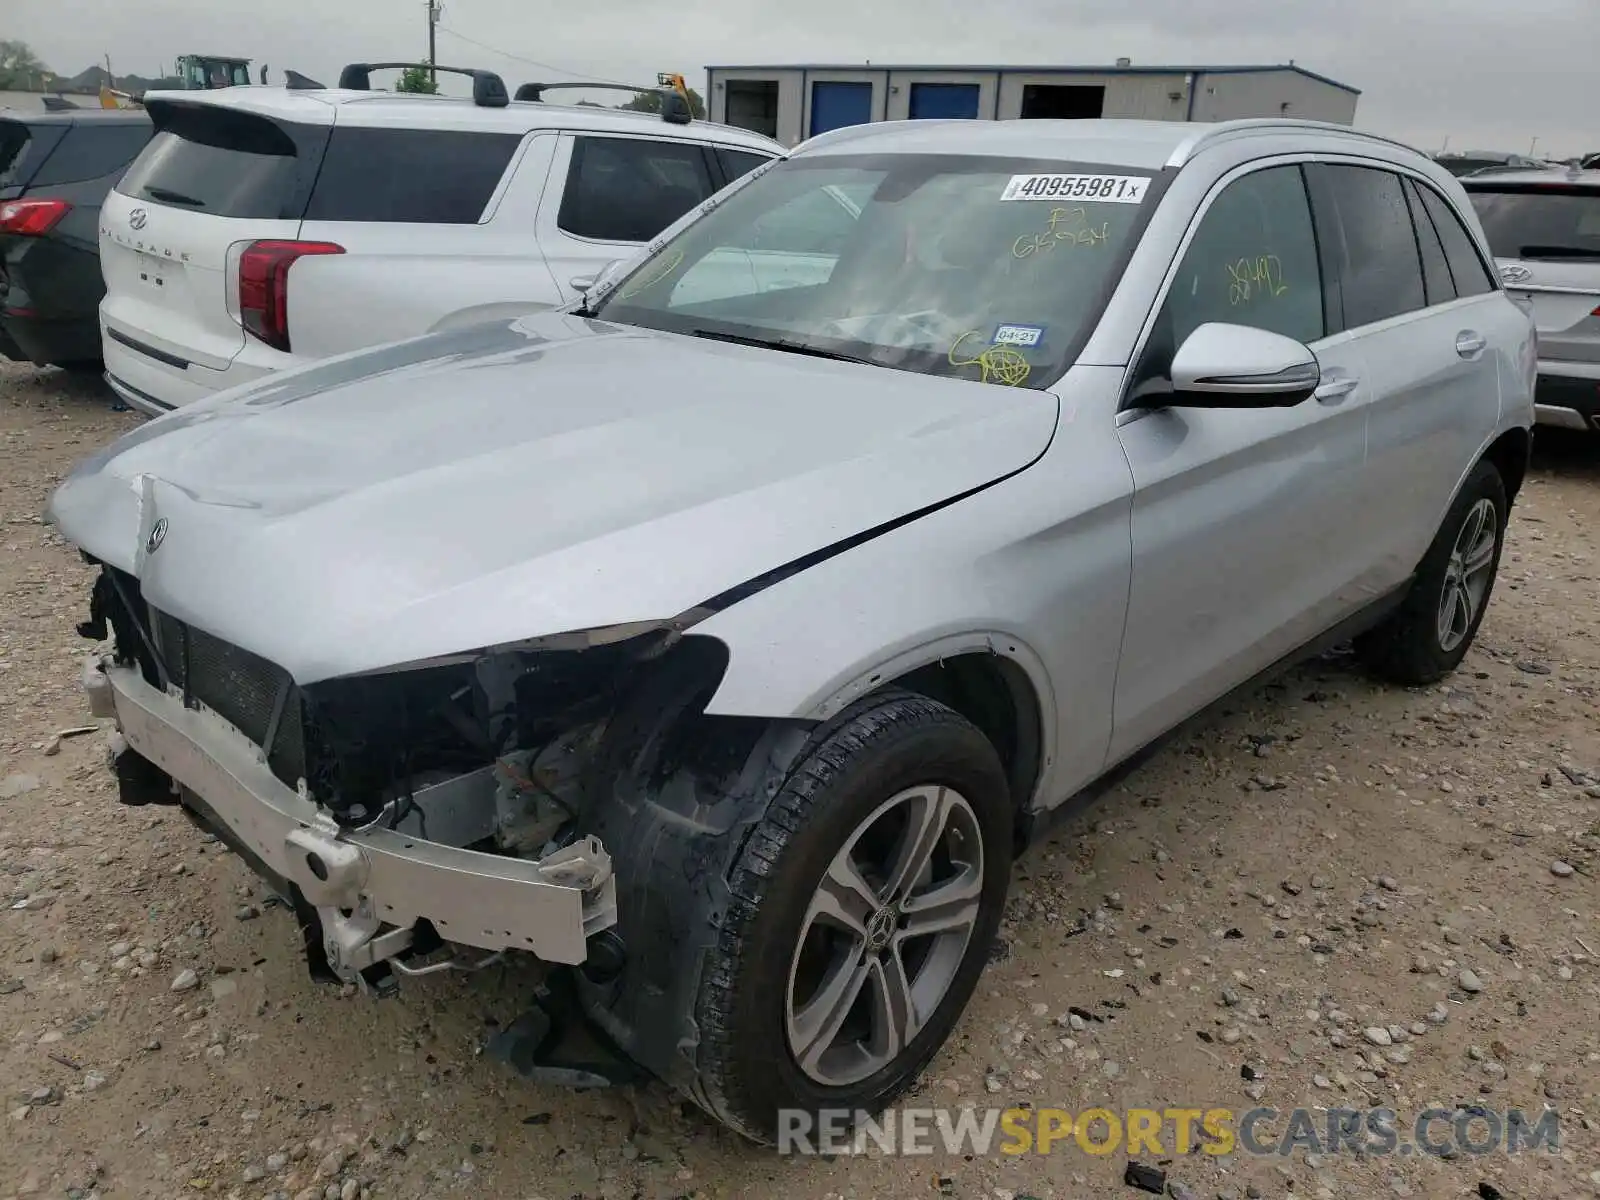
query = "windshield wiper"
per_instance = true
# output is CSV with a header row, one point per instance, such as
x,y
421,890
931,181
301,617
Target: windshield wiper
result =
x,y
170,197
789,347
1556,252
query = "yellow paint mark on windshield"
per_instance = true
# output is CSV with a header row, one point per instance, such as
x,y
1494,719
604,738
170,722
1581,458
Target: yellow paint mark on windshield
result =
x,y
654,276
998,364
1251,277
1066,226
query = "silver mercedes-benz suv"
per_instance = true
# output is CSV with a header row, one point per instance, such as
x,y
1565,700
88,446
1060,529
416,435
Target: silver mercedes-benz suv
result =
x,y
712,646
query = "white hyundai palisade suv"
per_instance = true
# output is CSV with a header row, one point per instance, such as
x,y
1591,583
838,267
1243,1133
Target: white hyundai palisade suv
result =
x,y
265,227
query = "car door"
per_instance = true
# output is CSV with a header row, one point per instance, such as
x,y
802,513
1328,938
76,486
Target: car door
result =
x,y
1430,349
1242,549
610,194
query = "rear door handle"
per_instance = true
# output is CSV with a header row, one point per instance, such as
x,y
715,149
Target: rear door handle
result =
x,y
1469,344
1334,388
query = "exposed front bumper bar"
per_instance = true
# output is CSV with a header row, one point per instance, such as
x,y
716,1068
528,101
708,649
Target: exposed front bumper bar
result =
x,y
372,885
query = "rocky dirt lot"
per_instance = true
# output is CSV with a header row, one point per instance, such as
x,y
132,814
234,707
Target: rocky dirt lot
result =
x,y
1326,894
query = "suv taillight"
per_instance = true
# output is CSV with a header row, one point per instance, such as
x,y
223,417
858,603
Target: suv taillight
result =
x,y
264,286
31,218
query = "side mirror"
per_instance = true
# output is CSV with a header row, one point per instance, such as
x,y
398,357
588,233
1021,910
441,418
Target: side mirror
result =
x,y
1236,366
584,283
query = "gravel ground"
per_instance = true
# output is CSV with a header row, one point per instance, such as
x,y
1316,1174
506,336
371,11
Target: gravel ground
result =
x,y
1325,894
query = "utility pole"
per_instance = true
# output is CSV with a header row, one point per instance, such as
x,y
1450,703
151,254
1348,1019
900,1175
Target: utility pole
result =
x,y
433,33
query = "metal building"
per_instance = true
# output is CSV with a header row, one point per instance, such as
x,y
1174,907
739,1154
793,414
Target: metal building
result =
x,y
791,103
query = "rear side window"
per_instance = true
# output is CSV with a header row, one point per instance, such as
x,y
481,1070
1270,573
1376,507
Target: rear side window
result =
x,y
22,149
1467,270
1435,270
630,189
1540,222
736,164
426,176
93,150
1381,271
226,163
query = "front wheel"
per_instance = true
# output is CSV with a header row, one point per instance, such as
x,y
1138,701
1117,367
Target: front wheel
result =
x,y
865,906
1431,632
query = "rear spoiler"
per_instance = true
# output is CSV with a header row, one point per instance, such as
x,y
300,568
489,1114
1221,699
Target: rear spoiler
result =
x,y
488,89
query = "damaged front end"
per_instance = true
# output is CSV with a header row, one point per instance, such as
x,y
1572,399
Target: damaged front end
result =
x,y
447,804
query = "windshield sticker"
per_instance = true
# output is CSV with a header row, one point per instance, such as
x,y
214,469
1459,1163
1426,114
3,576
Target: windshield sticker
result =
x,y
1069,226
1018,335
1250,277
1109,189
998,364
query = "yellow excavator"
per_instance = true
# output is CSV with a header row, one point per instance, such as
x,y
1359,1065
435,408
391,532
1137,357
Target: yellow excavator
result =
x,y
197,73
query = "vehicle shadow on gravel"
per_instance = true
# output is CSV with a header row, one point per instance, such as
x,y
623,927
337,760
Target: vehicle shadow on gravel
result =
x,y
1567,452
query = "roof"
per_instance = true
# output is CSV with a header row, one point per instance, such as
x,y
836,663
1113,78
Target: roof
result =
x,y
1552,176
75,116
415,110
1052,69
1147,145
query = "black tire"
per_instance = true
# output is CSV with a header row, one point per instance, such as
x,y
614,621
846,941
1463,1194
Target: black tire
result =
x,y
1407,648
745,1069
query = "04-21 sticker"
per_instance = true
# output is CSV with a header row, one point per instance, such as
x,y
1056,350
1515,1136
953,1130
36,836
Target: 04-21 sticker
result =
x,y
1108,189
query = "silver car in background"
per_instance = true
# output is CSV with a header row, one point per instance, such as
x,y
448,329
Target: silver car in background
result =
x,y
714,646
1544,230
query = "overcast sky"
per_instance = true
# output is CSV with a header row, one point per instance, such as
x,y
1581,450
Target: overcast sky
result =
x,y
1485,73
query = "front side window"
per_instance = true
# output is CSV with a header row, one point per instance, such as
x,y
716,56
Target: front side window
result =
x,y
1252,261
630,189
736,164
981,268
1381,269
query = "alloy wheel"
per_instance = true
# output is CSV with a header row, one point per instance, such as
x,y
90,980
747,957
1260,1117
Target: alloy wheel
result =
x,y
884,935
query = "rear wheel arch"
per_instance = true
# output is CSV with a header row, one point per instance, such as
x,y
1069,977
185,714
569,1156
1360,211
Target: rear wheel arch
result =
x,y
1509,454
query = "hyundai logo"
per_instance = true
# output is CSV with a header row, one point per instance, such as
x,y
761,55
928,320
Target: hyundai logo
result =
x,y
1515,274
158,534
137,218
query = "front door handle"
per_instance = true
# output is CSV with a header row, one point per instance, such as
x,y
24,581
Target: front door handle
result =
x,y
1470,344
1334,388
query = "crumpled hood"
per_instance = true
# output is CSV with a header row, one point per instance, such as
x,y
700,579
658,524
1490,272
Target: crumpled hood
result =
x,y
518,479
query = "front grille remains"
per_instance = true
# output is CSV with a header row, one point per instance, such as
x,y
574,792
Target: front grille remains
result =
x,y
255,696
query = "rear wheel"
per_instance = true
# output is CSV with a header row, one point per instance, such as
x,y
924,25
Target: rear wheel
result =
x,y
1430,634
865,906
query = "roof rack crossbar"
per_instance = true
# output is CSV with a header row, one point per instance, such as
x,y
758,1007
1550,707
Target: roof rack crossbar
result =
x,y
674,104
488,89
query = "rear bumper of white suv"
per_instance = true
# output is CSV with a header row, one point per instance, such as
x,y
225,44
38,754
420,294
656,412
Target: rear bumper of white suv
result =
x,y
371,886
155,381
1567,395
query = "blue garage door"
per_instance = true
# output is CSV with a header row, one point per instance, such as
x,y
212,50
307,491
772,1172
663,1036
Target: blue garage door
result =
x,y
944,101
835,105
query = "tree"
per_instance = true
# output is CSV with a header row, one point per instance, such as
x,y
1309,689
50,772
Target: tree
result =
x,y
651,102
417,79
20,68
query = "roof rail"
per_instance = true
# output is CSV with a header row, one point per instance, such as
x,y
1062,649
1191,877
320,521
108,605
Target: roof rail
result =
x,y
488,89
675,108
1246,126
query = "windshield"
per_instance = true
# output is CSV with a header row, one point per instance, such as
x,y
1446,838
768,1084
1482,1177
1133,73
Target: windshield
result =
x,y
981,268
1540,222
